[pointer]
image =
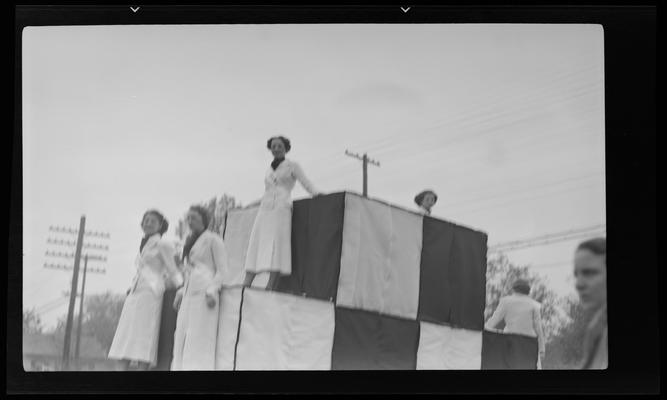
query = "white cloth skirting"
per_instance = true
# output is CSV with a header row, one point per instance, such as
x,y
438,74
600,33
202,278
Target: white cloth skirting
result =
x,y
270,244
138,328
196,328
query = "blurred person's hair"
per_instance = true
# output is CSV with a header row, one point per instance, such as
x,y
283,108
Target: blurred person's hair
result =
x,y
597,246
521,286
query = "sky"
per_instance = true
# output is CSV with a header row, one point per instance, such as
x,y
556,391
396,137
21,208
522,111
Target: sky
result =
x,y
505,122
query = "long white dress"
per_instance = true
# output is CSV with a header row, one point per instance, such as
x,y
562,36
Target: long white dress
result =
x,y
269,247
197,324
138,329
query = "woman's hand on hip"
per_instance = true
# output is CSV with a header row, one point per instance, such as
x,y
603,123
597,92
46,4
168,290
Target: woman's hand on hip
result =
x,y
212,295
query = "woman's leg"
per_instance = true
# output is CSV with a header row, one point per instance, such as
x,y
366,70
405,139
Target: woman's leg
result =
x,y
273,281
249,276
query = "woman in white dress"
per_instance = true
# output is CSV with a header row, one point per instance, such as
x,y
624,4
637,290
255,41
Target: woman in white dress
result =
x,y
425,201
136,338
270,244
197,301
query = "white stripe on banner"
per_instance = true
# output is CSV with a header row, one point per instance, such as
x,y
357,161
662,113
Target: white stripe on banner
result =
x,y
443,347
380,258
284,332
228,323
237,236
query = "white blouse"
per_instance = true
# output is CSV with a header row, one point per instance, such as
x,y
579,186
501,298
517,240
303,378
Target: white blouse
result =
x,y
279,184
156,267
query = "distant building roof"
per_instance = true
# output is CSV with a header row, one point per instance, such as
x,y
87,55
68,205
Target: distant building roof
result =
x,y
51,345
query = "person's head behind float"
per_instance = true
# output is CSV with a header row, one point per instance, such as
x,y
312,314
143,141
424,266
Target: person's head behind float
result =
x,y
426,199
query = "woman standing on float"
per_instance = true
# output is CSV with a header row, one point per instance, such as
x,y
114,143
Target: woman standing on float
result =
x,y
136,339
198,301
269,247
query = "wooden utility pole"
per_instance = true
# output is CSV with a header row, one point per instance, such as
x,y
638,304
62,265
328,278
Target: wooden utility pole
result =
x,y
75,278
72,296
83,288
365,160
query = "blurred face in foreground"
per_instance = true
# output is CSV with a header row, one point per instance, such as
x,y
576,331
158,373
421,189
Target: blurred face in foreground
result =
x,y
590,272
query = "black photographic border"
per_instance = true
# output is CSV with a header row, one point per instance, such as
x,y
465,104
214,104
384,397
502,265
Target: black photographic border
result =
x,y
630,130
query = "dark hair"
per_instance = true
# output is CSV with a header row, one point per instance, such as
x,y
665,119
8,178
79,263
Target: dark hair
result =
x,y
597,246
203,212
420,197
521,286
285,141
164,224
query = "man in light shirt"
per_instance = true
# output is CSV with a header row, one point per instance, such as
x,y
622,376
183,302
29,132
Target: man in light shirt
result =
x,y
521,315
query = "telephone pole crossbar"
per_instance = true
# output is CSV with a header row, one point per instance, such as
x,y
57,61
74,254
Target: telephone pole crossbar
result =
x,y
365,161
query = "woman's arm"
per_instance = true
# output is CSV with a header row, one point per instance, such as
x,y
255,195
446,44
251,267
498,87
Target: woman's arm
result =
x,y
220,261
497,317
297,173
167,252
537,325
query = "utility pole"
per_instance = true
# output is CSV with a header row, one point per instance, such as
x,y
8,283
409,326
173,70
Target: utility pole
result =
x,y
365,160
72,296
83,288
75,276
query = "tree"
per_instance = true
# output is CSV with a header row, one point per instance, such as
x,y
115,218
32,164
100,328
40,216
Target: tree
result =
x,y
100,318
31,322
563,318
217,208
565,350
501,274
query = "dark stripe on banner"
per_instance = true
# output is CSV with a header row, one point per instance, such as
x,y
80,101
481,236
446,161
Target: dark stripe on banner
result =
x,y
508,351
452,281
366,340
435,293
238,329
317,237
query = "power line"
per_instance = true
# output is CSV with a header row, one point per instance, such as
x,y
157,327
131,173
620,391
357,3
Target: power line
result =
x,y
52,305
548,239
480,114
524,198
549,235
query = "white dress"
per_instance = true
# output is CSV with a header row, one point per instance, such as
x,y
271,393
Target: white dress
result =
x,y
269,247
138,329
197,325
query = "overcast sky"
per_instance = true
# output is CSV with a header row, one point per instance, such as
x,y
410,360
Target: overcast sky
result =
x,y
504,122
